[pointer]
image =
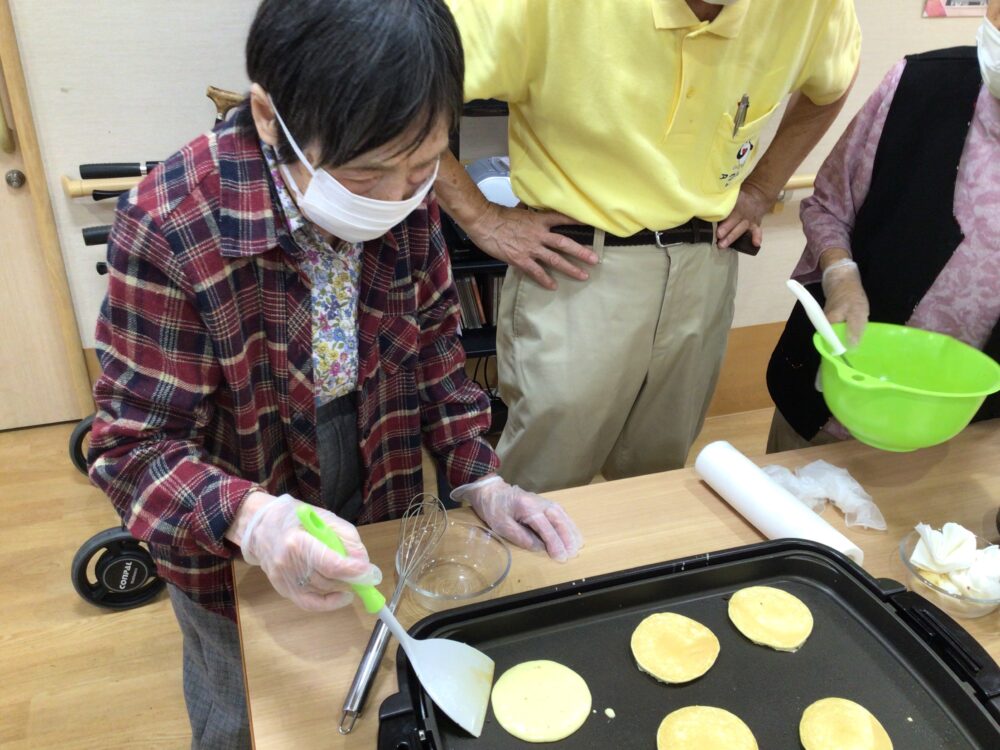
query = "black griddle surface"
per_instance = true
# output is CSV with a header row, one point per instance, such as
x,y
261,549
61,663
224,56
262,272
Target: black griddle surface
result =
x,y
859,649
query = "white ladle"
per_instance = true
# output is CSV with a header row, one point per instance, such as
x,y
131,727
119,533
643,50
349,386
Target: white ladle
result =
x,y
819,320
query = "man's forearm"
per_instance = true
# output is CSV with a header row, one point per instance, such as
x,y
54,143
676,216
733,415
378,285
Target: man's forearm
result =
x,y
801,128
457,193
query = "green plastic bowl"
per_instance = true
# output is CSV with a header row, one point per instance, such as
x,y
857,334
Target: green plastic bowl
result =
x,y
908,388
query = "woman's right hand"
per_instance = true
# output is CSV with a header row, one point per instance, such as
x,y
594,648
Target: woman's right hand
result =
x,y
845,298
300,567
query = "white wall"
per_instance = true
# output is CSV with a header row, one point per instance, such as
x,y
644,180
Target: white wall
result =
x,y
120,81
891,29
125,81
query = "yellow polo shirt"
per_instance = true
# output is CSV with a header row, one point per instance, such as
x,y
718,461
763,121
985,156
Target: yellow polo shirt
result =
x,y
621,111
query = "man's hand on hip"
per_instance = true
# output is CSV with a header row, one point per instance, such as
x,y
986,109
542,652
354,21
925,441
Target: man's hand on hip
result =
x,y
747,215
524,239
519,237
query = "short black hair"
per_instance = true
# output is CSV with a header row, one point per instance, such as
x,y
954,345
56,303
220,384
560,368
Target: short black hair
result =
x,y
349,76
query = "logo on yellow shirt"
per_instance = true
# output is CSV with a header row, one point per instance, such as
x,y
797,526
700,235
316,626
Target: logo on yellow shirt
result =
x,y
742,156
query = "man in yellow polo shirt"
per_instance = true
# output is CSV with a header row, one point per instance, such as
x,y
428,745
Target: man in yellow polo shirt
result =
x,y
637,123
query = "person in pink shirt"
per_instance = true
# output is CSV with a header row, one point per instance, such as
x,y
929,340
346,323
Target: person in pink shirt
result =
x,y
903,225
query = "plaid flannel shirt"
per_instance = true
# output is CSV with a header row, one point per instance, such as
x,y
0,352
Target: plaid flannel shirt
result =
x,y
205,342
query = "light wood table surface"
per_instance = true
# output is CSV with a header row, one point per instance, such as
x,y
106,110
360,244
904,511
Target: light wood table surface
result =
x,y
299,665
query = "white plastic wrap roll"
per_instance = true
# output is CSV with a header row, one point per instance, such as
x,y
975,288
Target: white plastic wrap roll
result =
x,y
775,512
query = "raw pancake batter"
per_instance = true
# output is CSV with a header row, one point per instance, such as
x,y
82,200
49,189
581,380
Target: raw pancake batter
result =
x,y
840,724
541,701
704,728
674,648
771,617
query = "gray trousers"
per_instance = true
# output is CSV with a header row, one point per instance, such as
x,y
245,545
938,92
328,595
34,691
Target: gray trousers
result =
x,y
213,665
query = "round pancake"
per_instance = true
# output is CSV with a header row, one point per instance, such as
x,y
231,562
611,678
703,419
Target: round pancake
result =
x,y
541,701
771,617
704,728
840,724
674,648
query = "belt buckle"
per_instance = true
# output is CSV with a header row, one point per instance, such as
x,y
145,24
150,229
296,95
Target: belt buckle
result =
x,y
663,245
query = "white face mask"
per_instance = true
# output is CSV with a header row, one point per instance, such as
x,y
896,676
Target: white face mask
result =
x,y
335,209
988,40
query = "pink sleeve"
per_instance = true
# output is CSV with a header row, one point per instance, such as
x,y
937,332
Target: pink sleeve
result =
x,y
842,182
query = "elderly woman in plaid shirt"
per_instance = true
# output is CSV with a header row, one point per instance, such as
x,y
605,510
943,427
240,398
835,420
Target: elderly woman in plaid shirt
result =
x,y
281,328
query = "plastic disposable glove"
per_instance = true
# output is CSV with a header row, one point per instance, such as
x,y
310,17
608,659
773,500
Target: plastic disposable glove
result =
x,y
846,298
819,481
300,567
522,518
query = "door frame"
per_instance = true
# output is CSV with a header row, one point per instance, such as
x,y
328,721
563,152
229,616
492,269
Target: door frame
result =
x,y
25,138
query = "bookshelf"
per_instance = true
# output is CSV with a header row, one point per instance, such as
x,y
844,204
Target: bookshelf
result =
x,y
478,279
478,276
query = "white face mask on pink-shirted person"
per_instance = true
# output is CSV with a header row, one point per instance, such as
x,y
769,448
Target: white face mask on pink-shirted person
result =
x,y
988,43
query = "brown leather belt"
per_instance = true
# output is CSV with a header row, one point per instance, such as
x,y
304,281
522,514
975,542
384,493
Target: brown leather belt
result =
x,y
691,233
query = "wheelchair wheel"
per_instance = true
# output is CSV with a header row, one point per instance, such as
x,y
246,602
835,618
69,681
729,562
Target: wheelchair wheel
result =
x,y
114,570
77,440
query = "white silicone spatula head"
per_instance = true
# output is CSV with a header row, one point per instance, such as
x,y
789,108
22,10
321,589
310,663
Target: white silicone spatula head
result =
x,y
457,677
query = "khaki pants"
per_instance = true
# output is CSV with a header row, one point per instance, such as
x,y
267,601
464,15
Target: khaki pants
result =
x,y
613,374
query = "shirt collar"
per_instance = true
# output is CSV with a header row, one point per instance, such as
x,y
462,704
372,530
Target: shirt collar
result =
x,y
247,221
677,14
296,221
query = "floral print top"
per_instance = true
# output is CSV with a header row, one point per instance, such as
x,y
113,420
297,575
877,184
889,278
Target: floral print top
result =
x,y
334,273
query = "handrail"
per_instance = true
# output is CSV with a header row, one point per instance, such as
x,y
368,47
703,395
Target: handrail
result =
x,y
82,188
800,182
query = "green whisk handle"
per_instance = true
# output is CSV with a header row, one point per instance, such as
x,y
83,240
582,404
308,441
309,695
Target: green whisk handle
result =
x,y
312,523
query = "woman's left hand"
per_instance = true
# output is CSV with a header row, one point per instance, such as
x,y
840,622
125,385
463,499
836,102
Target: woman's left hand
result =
x,y
523,518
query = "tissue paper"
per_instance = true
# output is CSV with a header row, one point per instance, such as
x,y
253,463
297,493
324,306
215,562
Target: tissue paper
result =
x,y
773,510
950,560
952,548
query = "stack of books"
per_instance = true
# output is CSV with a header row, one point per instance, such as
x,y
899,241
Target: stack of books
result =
x,y
479,297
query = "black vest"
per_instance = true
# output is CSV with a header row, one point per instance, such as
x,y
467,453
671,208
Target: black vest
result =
x,y
906,230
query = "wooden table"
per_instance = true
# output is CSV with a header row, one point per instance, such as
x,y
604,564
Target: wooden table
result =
x,y
299,665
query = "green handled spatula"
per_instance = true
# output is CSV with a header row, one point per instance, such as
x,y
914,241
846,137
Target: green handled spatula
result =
x,y
457,677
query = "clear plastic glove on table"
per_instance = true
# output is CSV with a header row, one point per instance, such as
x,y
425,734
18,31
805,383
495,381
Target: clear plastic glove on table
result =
x,y
300,567
521,517
820,481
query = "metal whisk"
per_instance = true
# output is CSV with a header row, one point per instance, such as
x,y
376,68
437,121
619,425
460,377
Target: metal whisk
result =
x,y
422,526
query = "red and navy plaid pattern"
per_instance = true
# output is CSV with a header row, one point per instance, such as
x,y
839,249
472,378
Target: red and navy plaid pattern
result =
x,y
205,342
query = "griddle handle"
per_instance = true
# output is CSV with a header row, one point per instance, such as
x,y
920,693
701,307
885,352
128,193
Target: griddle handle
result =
x,y
397,724
951,642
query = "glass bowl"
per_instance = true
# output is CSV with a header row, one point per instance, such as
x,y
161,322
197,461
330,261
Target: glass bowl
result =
x,y
957,605
467,565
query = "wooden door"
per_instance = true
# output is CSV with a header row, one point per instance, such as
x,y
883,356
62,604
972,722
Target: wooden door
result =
x,y
43,375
